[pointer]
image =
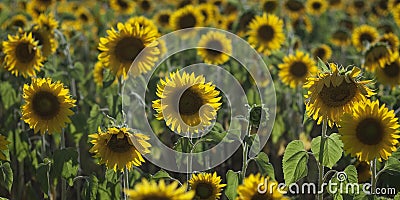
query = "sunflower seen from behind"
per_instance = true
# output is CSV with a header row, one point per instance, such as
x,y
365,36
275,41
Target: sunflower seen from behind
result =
x,y
22,55
118,148
47,106
370,131
186,102
266,33
3,147
151,190
121,47
333,93
362,35
296,68
207,186
214,48
248,190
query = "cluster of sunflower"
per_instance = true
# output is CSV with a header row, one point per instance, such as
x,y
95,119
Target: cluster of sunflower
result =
x,y
63,65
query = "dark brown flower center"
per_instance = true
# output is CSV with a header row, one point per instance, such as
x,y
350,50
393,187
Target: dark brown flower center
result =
x,y
25,52
128,48
392,70
213,46
298,69
294,5
38,36
316,5
270,6
204,190
84,17
370,131
338,96
190,102
187,21
145,5
320,53
18,23
45,105
119,145
366,37
123,4
340,35
359,4
383,4
164,18
266,33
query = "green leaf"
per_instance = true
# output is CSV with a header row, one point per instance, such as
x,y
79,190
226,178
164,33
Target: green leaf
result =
x,y
392,166
42,175
294,161
397,197
91,187
183,145
95,119
264,165
109,79
348,181
8,94
161,175
6,176
321,65
232,179
66,164
78,71
333,149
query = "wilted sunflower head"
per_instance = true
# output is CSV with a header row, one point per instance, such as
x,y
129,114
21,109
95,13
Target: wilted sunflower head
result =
x,y
151,190
370,131
47,106
186,103
333,93
118,148
207,186
214,48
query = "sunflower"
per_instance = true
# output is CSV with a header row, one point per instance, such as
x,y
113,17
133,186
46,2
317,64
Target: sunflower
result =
x,y
3,147
293,8
335,4
391,40
208,11
43,32
197,106
15,22
362,34
333,93
357,7
118,148
323,51
125,7
369,131
302,22
266,33
143,22
376,56
47,105
346,23
296,68
186,17
206,185
145,6
146,190
248,190
269,6
216,48
382,7
22,55
98,75
162,18
363,171
389,73
340,38
316,7
226,22
83,17
121,47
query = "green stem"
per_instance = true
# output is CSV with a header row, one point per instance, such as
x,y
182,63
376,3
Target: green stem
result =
x,y
321,158
63,182
373,176
245,152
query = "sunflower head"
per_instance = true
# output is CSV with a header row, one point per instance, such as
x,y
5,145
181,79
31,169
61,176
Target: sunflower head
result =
x,y
270,6
151,190
209,12
145,6
249,188
296,68
214,48
370,131
333,93
391,40
316,7
3,147
362,35
47,106
376,56
323,51
123,6
294,8
389,72
187,17
16,22
118,148
207,186
43,32
335,4
162,18
340,38
143,22
186,102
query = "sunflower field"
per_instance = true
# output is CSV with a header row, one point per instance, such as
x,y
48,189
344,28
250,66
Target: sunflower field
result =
x,y
199,99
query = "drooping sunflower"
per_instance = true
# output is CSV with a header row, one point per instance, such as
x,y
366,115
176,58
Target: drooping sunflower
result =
x,y
270,6
125,7
207,186
47,105
162,18
248,190
293,8
316,7
3,146
145,6
186,17
363,171
266,33
187,103
323,51
216,48
22,55
121,47
340,38
362,34
43,32
370,131
146,190
389,72
333,93
117,148
296,68
391,40
376,56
